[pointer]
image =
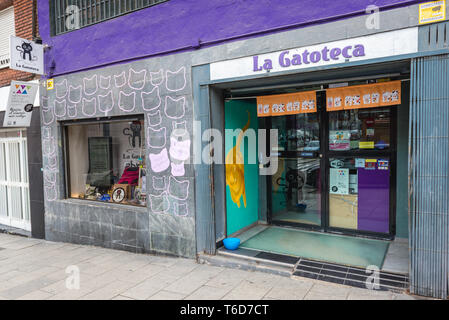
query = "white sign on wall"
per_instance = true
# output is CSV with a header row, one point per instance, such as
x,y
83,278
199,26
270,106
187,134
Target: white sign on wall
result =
x,y
26,55
380,45
20,104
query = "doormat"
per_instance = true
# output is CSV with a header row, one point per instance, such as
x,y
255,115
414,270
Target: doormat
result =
x,y
351,251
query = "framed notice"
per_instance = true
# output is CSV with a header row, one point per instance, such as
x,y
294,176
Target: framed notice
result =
x,y
339,181
433,11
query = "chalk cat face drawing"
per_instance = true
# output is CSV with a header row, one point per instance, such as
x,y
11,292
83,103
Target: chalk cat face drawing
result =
x,y
159,161
179,149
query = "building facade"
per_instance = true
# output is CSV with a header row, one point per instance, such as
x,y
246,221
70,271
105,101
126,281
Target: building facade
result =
x,y
21,184
356,92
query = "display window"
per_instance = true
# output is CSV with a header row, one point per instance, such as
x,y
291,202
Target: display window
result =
x,y
106,161
359,129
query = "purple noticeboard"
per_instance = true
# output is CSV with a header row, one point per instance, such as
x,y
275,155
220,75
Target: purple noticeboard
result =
x,y
373,200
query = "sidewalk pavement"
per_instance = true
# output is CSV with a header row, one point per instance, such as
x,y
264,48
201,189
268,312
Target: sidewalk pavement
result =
x,y
36,269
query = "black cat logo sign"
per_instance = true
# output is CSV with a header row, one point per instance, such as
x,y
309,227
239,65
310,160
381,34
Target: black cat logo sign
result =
x,y
26,55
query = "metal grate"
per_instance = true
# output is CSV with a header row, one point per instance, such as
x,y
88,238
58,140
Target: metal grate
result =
x,y
429,177
350,276
69,15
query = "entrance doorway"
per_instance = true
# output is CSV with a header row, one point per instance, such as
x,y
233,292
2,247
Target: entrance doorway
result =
x,y
14,185
335,170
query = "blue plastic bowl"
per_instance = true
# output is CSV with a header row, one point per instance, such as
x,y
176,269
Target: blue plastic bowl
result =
x,y
231,243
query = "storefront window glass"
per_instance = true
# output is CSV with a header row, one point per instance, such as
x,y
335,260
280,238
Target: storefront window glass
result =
x,y
299,132
359,129
296,186
106,162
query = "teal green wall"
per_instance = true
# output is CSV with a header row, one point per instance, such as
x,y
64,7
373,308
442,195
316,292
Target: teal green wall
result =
x,y
402,165
236,117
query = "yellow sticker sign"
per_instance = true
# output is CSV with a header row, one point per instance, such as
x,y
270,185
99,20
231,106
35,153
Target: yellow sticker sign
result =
x,y
366,145
432,11
50,84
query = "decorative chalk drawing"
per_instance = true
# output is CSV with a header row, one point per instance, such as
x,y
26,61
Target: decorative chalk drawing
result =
x,y
159,203
180,126
52,162
127,102
156,137
75,94
71,111
50,192
159,183
178,189
175,108
181,209
180,147
176,80
151,100
48,146
168,145
60,108
50,176
120,80
47,116
106,102
89,107
159,162
90,85
44,102
46,132
154,119
177,169
61,89
156,78
136,79
105,82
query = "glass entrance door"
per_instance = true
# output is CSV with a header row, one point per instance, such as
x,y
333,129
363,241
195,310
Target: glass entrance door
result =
x,y
335,170
360,156
296,187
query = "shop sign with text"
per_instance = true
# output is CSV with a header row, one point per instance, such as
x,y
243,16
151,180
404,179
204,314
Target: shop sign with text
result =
x,y
375,46
20,104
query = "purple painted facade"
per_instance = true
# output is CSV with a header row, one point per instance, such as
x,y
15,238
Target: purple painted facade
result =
x,y
182,25
373,200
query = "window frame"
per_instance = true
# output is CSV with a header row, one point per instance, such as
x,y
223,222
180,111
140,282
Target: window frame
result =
x,y
59,19
64,125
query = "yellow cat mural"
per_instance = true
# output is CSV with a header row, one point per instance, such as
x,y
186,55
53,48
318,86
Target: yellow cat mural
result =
x,y
235,169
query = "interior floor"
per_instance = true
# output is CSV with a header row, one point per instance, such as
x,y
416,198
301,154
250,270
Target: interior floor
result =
x,y
389,256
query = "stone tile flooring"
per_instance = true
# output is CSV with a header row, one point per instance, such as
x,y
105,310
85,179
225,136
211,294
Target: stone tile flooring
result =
x,y
36,269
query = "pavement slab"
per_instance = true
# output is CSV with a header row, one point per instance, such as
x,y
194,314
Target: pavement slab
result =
x,y
33,269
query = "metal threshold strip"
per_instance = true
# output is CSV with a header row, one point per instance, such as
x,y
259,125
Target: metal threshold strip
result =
x,y
324,271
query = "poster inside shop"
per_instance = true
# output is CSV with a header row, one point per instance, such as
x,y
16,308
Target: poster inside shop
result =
x,y
364,96
20,104
339,181
370,164
286,104
382,164
339,140
360,163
